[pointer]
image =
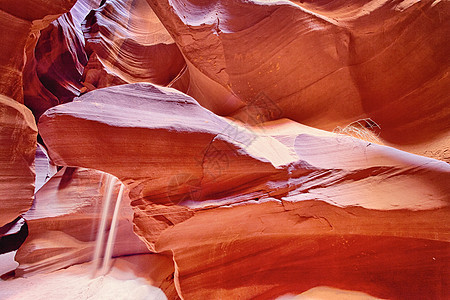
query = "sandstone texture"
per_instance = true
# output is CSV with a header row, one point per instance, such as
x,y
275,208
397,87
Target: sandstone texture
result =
x,y
18,133
322,63
64,220
277,200
129,279
45,169
20,23
130,44
93,46
245,149
55,60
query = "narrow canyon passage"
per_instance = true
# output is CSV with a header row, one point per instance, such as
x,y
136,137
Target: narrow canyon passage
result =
x,y
187,149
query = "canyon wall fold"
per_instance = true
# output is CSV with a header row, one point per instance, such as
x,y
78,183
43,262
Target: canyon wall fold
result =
x,y
56,58
64,222
18,134
21,23
130,43
288,207
324,64
266,148
97,44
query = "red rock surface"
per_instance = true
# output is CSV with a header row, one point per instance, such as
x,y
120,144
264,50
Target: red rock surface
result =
x,y
278,200
97,45
322,63
17,147
130,43
64,220
20,24
56,59
230,177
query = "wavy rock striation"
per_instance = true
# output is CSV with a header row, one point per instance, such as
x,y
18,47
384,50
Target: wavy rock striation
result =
x,y
321,63
21,23
287,207
97,44
128,44
18,133
231,188
64,221
56,58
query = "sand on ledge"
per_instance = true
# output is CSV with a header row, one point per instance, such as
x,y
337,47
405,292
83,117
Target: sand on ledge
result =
x,y
76,282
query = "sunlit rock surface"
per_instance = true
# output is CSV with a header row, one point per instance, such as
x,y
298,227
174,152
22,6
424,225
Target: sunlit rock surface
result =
x,y
56,58
131,44
134,277
322,63
64,220
97,44
18,133
19,24
45,169
287,207
323,293
12,235
230,179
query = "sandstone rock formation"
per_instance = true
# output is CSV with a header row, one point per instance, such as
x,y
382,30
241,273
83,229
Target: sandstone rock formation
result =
x,y
130,44
45,169
322,63
21,23
278,200
98,44
18,133
64,220
131,278
12,235
213,115
55,60
327,293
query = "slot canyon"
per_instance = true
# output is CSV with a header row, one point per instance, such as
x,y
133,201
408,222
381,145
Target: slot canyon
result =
x,y
224,149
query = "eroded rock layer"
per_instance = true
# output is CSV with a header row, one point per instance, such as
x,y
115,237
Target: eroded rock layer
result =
x,y
236,194
131,43
321,63
263,211
97,44
64,221
18,133
20,24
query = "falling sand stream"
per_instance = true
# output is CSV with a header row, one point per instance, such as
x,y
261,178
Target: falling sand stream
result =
x,y
104,248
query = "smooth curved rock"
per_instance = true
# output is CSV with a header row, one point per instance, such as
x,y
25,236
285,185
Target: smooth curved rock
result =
x,y
20,25
92,47
130,43
12,236
287,207
45,169
324,64
324,292
18,133
255,205
56,58
64,220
